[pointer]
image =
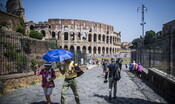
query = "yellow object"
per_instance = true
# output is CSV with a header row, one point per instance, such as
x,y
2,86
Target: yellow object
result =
x,y
69,72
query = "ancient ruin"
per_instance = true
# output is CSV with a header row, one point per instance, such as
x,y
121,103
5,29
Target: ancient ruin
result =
x,y
88,38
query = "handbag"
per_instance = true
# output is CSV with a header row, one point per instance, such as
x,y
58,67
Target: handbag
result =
x,y
78,68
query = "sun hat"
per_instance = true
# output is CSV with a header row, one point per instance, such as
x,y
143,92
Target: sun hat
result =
x,y
47,64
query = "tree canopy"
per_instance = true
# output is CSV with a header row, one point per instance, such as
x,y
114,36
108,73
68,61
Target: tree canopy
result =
x,y
149,38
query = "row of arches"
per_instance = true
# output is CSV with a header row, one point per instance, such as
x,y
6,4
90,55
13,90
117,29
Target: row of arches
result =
x,y
91,49
71,36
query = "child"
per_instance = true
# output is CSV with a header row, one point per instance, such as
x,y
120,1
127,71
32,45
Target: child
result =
x,y
48,75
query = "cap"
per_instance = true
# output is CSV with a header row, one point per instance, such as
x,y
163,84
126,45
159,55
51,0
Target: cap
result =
x,y
47,64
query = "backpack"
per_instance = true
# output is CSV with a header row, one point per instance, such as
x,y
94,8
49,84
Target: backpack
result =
x,y
117,75
78,68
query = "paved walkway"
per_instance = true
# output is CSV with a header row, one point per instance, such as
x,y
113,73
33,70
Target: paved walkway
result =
x,y
92,90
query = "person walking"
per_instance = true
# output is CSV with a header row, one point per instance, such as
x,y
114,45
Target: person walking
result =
x,y
48,76
104,65
112,69
140,69
119,61
69,81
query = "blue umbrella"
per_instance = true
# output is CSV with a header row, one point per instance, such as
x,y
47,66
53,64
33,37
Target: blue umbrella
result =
x,y
57,55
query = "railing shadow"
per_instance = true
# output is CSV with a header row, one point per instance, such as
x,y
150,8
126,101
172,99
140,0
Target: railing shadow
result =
x,y
124,100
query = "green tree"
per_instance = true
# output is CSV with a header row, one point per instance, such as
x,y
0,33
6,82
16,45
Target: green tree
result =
x,y
137,42
150,37
35,34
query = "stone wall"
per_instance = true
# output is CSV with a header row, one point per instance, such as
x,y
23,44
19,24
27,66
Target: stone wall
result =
x,y
161,80
14,48
12,20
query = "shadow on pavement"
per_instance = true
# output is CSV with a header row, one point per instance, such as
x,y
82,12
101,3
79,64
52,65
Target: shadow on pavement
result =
x,y
136,80
42,102
124,100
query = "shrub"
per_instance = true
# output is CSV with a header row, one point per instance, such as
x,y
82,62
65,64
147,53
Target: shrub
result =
x,y
21,62
20,29
52,45
35,34
33,62
4,24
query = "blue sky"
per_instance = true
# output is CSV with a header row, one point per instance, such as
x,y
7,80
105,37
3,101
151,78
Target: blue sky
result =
x,y
122,14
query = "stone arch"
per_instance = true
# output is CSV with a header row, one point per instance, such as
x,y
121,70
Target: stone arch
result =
x,y
110,39
107,39
43,32
31,27
53,34
110,51
66,36
59,33
107,50
72,36
84,35
84,49
66,47
99,37
79,36
99,50
78,50
94,50
72,49
95,37
113,39
103,50
90,38
89,49
103,38
66,28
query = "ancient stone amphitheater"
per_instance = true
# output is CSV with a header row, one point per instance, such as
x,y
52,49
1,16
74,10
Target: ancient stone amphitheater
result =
x,y
88,38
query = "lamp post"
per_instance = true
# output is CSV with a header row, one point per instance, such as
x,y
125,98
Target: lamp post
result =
x,y
143,10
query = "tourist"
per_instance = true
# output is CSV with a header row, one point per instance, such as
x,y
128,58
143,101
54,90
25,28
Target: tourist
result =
x,y
112,69
69,81
140,69
126,66
48,76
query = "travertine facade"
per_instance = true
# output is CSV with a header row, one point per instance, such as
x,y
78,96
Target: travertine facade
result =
x,y
80,36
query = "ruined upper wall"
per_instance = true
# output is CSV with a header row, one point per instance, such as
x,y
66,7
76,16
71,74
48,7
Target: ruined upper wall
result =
x,y
12,20
79,23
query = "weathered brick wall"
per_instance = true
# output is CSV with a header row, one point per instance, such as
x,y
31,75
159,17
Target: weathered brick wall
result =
x,y
12,20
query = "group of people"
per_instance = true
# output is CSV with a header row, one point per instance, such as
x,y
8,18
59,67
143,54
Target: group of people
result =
x,y
68,69
48,76
136,68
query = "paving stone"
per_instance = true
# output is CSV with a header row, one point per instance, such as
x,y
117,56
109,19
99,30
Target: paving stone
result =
x,y
91,89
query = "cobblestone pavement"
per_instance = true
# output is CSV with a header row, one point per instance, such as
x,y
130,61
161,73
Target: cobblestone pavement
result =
x,y
92,90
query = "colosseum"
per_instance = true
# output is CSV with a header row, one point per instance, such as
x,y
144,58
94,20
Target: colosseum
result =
x,y
84,38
